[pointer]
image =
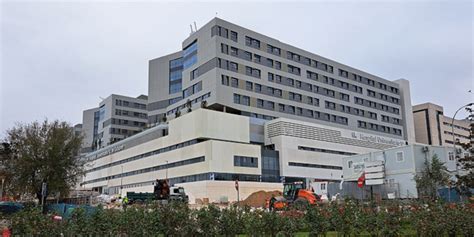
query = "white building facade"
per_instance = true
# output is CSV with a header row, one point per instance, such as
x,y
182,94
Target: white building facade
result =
x,y
275,113
399,167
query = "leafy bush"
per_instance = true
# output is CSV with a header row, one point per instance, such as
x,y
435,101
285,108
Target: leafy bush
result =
x,y
177,219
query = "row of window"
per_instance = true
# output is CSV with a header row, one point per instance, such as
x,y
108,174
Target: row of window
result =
x,y
246,55
150,169
146,154
456,135
227,65
192,90
305,148
375,105
290,109
368,81
130,113
126,122
245,161
307,87
125,103
250,86
224,32
382,96
194,101
255,43
308,165
309,62
379,128
174,100
360,112
122,131
456,126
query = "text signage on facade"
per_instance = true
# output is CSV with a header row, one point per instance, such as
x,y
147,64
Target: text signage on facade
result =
x,y
377,139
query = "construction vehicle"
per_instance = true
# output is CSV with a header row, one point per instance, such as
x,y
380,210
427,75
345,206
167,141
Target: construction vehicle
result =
x,y
162,193
294,194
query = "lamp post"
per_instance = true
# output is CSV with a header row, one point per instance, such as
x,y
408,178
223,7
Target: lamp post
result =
x,y
121,181
166,170
1,191
452,131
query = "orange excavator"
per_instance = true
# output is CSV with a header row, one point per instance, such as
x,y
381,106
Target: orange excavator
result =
x,y
294,194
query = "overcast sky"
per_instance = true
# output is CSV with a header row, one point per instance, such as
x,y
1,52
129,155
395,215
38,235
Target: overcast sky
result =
x,y
58,59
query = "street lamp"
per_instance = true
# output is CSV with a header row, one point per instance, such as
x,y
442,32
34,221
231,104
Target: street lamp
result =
x,y
452,131
121,181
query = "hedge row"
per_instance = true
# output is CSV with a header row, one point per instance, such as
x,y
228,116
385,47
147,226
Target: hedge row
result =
x,y
175,219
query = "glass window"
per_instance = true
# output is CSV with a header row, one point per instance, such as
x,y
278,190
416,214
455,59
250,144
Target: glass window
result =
x,y
246,100
249,86
260,103
233,36
451,156
234,82
190,55
400,157
236,99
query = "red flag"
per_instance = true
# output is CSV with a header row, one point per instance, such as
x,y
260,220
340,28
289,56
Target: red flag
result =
x,y
360,181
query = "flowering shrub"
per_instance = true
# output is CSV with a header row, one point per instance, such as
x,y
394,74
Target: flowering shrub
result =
x,y
177,219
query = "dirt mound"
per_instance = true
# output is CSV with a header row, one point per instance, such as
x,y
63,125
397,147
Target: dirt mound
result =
x,y
258,199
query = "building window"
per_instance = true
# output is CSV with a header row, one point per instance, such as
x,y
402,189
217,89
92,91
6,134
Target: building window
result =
x,y
257,58
277,65
281,107
225,80
245,161
245,100
190,55
451,156
233,36
400,157
248,56
194,74
249,86
175,87
234,82
254,43
236,99
260,103
233,66
349,164
323,186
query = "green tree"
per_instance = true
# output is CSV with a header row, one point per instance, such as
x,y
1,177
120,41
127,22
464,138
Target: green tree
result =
x,y
465,178
43,152
433,176
6,173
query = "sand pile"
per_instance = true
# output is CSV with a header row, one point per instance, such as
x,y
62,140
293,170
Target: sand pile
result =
x,y
259,198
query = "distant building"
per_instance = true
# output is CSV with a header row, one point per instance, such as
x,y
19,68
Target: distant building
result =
x,y
116,118
432,127
77,129
90,124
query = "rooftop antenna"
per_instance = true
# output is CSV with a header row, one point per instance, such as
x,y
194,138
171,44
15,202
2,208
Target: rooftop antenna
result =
x,y
100,97
195,27
191,26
